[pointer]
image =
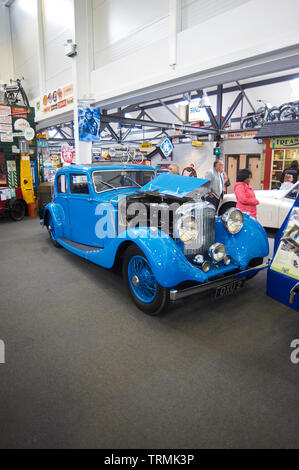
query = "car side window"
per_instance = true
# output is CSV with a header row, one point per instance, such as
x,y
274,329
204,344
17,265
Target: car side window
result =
x,y
61,184
79,184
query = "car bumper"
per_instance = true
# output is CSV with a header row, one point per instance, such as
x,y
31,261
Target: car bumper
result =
x,y
176,294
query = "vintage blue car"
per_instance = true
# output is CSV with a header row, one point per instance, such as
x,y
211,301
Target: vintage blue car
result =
x,y
161,229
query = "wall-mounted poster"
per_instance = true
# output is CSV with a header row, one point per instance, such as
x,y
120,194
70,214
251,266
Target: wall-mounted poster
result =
x,y
89,124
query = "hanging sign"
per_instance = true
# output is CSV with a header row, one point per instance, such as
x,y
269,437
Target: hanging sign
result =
x,y
197,143
166,147
67,154
145,145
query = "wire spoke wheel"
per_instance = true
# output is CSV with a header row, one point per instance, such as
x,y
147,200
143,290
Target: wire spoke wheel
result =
x,y
142,280
287,114
145,290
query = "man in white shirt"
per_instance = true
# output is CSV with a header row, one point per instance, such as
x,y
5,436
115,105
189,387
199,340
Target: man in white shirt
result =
x,y
216,185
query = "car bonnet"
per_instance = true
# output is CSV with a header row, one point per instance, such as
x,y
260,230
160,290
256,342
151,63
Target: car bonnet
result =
x,y
176,185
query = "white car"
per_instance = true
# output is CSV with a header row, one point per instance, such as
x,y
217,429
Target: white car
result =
x,y
273,207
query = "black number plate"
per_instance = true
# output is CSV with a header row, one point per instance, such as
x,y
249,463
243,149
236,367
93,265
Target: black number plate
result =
x,y
229,288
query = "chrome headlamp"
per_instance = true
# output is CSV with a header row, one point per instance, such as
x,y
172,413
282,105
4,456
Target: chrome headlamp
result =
x,y
217,252
233,220
200,261
187,228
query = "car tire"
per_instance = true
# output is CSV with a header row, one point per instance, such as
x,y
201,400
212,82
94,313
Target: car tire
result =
x,y
253,263
17,210
144,289
226,206
51,231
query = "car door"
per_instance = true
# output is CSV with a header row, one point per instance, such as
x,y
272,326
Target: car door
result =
x,y
82,208
61,198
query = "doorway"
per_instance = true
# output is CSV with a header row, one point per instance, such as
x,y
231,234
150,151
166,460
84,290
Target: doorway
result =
x,y
234,163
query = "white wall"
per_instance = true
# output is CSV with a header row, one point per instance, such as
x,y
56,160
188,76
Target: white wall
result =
x,y
58,26
195,12
121,27
6,69
253,28
23,16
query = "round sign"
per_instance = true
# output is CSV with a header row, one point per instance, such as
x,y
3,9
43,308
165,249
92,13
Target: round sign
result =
x,y
29,133
21,124
67,154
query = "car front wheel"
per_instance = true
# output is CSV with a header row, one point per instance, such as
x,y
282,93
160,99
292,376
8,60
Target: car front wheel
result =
x,y
144,289
51,230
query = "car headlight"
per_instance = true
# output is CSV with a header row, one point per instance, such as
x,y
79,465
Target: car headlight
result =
x,y
187,228
217,252
233,220
200,261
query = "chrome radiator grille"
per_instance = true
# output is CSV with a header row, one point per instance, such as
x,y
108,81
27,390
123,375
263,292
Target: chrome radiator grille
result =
x,y
204,213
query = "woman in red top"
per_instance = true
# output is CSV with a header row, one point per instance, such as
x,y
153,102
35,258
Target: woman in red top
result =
x,y
246,200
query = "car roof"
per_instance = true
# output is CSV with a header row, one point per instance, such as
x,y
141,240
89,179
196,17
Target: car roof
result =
x,y
92,167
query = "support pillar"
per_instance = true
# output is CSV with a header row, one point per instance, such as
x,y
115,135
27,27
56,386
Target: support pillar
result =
x,y
82,67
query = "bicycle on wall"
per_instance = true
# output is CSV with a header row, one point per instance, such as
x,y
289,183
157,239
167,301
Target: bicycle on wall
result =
x,y
289,111
265,113
15,93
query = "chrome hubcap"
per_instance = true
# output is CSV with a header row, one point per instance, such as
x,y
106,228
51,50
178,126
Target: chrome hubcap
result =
x,y
135,281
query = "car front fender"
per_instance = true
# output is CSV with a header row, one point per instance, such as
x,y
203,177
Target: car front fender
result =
x,y
251,242
168,262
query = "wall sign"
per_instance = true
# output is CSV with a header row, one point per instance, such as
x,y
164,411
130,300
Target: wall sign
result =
x,y
55,99
67,154
89,124
241,135
29,133
5,124
21,124
282,142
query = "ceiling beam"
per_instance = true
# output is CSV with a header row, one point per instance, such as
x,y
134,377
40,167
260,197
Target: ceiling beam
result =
x,y
162,125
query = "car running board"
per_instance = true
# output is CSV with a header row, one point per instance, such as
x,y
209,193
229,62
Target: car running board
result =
x,y
78,246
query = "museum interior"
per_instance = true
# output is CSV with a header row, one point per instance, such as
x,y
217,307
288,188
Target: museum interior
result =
x,y
149,218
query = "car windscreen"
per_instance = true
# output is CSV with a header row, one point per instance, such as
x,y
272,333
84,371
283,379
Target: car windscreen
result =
x,y
293,192
106,180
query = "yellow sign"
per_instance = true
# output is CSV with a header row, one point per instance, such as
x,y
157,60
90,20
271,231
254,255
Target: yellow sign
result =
x,y
282,142
26,179
197,143
146,145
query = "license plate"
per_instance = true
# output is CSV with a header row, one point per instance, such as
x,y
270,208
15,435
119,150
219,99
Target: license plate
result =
x,y
229,288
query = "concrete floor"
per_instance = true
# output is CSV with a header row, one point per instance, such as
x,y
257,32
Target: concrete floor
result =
x,y
85,368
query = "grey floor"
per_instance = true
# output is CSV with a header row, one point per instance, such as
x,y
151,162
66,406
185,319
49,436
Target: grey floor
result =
x,y
84,368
